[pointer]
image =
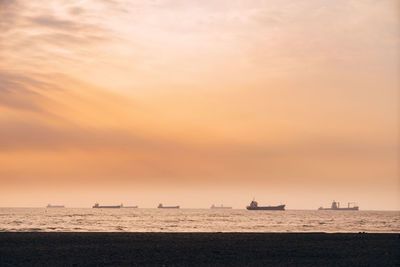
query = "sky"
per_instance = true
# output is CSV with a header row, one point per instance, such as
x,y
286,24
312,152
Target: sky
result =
x,y
197,102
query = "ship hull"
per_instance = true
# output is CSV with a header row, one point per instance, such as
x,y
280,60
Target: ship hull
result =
x,y
280,207
166,207
355,208
107,207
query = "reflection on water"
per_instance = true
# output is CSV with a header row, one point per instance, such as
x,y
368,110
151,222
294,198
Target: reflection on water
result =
x,y
196,220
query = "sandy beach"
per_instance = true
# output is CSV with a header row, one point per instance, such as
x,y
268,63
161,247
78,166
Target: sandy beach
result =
x,y
183,249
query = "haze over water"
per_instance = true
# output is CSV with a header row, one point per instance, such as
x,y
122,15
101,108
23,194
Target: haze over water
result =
x,y
196,220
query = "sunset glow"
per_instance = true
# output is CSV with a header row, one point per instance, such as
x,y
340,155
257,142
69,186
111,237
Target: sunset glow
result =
x,y
199,102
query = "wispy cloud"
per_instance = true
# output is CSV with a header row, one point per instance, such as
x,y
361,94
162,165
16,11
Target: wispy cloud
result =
x,y
21,92
49,35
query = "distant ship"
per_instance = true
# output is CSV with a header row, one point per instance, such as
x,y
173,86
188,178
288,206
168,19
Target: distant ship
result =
x,y
160,206
336,206
254,206
222,207
97,206
55,206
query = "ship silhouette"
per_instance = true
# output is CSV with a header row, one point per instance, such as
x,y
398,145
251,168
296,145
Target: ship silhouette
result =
x,y
254,206
161,206
336,206
97,206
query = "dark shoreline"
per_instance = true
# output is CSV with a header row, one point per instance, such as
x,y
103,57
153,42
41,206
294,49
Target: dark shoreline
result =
x,y
183,249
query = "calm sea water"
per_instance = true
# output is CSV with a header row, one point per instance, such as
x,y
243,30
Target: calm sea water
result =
x,y
196,220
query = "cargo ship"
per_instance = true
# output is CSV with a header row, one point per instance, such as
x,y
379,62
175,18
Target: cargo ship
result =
x,y
161,206
254,206
336,206
55,206
222,207
97,206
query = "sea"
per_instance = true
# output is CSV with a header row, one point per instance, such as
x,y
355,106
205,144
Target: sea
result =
x,y
195,220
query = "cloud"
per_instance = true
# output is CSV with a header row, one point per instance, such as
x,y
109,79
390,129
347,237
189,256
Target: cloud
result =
x,y
26,135
53,22
69,152
36,34
67,25
76,10
20,135
9,14
211,89
22,92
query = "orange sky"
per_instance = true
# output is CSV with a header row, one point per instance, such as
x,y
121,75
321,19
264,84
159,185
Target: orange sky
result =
x,y
199,102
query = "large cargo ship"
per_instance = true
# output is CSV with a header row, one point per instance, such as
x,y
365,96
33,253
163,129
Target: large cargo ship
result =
x,y
97,206
336,206
161,206
222,207
55,206
254,206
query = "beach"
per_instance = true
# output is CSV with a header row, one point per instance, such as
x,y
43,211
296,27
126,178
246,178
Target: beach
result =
x,y
183,249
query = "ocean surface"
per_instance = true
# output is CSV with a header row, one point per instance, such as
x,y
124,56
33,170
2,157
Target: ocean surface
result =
x,y
196,220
